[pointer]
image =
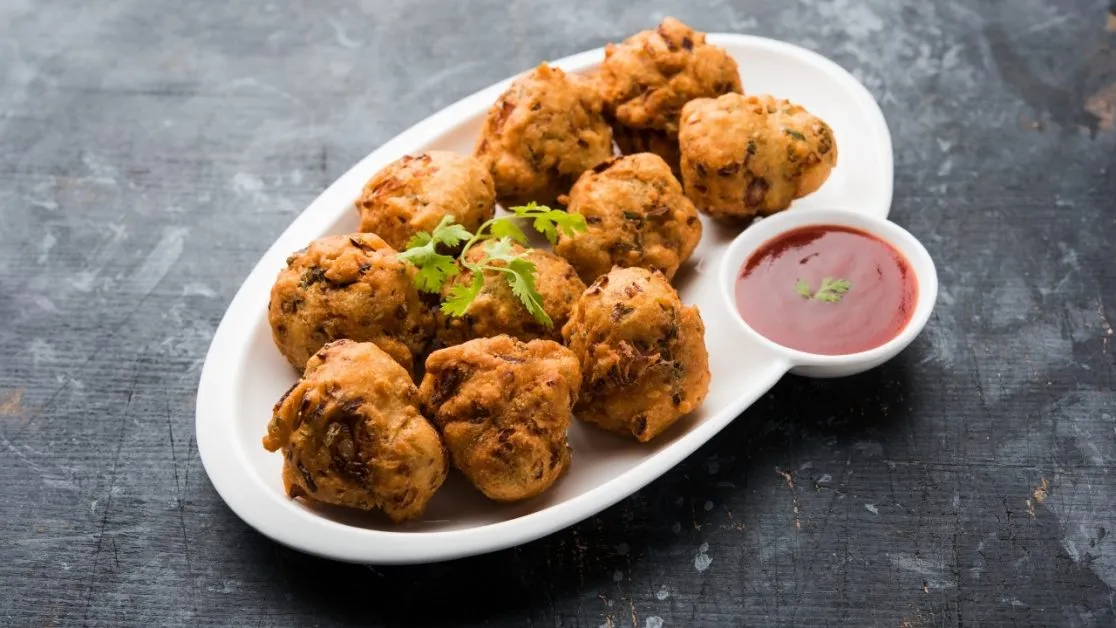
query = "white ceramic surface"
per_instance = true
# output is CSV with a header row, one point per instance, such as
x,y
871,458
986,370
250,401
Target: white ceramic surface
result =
x,y
244,374
814,365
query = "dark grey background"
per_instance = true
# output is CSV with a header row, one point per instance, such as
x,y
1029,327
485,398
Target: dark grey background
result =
x,y
151,150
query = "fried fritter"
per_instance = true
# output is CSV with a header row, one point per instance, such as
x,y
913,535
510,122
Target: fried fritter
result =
x,y
352,434
348,286
497,310
643,358
503,407
414,193
542,133
636,215
744,156
646,79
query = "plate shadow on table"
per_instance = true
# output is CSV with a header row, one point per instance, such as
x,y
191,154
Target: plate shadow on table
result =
x,y
582,561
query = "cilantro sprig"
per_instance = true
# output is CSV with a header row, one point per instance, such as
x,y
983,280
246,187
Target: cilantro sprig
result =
x,y
422,251
497,236
831,290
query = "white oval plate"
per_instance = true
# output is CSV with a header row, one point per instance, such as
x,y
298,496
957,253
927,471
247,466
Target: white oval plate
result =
x,y
244,374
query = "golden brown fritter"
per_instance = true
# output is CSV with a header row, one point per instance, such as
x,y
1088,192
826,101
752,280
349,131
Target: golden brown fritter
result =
x,y
646,79
542,133
643,358
503,407
414,193
749,155
348,286
497,310
636,215
352,434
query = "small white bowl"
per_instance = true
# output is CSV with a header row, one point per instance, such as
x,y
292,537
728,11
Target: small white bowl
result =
x,y
824,366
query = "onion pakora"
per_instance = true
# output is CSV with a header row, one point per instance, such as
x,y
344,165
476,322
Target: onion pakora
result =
x,y
503,407
643,357
352,434
646,79
636,215
541,134
744,156
348,286
415,192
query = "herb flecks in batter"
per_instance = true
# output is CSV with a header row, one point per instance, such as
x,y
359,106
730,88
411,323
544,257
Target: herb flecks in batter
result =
x,y
499,256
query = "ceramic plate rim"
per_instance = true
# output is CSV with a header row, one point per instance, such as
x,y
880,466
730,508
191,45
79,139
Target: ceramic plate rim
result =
x,y
301,529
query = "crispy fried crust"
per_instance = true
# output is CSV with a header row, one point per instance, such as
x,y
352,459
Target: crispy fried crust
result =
x,y
542,133
635,214
646,79
643,357
352,434
744,156
503,407
415,192
348,286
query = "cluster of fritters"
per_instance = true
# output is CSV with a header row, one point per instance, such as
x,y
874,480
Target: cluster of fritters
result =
x,y
497,389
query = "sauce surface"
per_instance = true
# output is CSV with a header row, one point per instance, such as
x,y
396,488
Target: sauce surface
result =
x,y
827,289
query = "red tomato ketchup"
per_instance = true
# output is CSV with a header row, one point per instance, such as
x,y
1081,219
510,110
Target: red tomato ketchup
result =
x,y
827,289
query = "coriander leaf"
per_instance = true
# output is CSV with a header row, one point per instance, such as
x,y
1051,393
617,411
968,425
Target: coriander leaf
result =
x,y
449,233
421,238
434,267
567,222
832,290
461,297
528,209
433,274
505,228
500,251
549,221
499,235
544,225
521,278
452,235
414,255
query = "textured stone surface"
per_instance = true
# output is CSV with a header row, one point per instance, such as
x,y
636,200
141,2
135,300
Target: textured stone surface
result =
x,y
151,151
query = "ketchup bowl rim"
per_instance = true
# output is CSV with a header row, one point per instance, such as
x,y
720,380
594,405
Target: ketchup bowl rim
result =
x,y
756,235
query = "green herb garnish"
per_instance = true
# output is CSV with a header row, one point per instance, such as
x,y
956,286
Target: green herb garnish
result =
x,y
831,290
547,221
422,251
498,234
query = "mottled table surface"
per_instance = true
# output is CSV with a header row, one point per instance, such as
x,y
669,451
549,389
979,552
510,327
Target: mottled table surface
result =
x,y
151,151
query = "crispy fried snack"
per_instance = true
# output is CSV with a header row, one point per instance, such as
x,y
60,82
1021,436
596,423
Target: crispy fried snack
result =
x,y
643,357
497,310
348,286
352,435
503,407
744,156
646,79
636,215
542,133
414,193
